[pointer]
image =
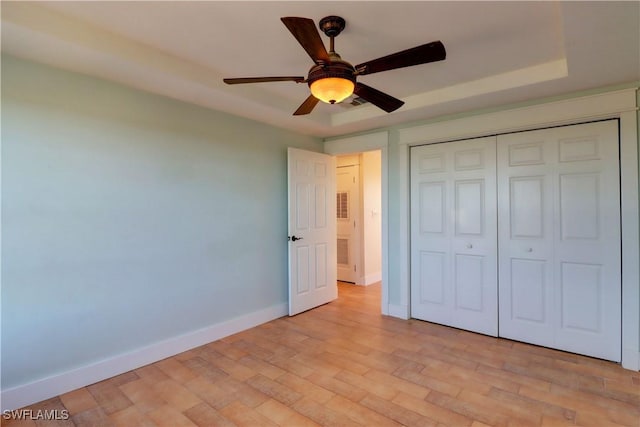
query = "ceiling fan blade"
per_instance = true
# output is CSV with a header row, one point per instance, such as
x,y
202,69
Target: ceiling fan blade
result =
x,y
380,99
430,52
241,80
304,30
307,106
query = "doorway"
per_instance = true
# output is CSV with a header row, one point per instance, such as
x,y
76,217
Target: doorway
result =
x,y
358,217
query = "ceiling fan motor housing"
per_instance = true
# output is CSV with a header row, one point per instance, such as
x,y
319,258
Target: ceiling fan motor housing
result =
x,y
337,68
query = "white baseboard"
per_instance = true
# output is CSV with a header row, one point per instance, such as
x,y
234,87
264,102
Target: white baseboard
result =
x,y
400,311
369,279
631,359
52,386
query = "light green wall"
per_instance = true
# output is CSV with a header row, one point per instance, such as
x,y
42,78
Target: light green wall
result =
x,y
129,218
394,223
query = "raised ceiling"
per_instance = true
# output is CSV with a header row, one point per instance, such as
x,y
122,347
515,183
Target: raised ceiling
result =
x,y
497,52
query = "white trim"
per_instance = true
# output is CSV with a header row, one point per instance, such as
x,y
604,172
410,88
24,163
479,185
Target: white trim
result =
x,y
370,279
399,311
593,107
384,177
359,144
630,240
630,359
404,240
620,104
46,388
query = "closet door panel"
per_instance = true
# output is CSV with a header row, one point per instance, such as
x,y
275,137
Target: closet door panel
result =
x,y
588,249
453,234
559,238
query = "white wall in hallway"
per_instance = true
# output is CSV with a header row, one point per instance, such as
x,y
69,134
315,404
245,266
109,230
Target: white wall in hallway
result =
x,y
372,225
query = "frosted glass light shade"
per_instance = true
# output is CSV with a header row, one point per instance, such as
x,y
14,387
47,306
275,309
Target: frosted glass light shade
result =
x,y
332,89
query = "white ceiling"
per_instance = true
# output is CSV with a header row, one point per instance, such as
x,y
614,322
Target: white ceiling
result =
x,y
497,52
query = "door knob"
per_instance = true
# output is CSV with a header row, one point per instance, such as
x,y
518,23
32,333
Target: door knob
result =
x,y
294,238
469,246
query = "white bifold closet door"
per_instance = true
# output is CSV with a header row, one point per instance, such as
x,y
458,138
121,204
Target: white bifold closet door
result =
x,y
559,238
453,234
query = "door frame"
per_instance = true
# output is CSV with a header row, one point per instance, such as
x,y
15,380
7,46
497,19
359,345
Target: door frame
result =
x,y
372,142
620,105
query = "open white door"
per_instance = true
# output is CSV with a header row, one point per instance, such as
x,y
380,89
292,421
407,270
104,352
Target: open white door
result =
x,y
312,230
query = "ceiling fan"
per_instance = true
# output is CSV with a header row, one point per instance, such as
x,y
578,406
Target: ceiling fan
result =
x,y
333,79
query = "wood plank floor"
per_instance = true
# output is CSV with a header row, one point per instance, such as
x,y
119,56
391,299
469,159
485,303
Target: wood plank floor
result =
x,y
343,364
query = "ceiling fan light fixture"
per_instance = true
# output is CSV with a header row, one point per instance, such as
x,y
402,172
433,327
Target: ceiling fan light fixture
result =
x,y
333,82
332,89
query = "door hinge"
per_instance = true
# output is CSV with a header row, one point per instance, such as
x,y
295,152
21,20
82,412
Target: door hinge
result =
x,y
354,179
354,224
354,268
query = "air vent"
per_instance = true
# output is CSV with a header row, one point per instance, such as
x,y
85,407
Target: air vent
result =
x,y
354,101
342,205
358,101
